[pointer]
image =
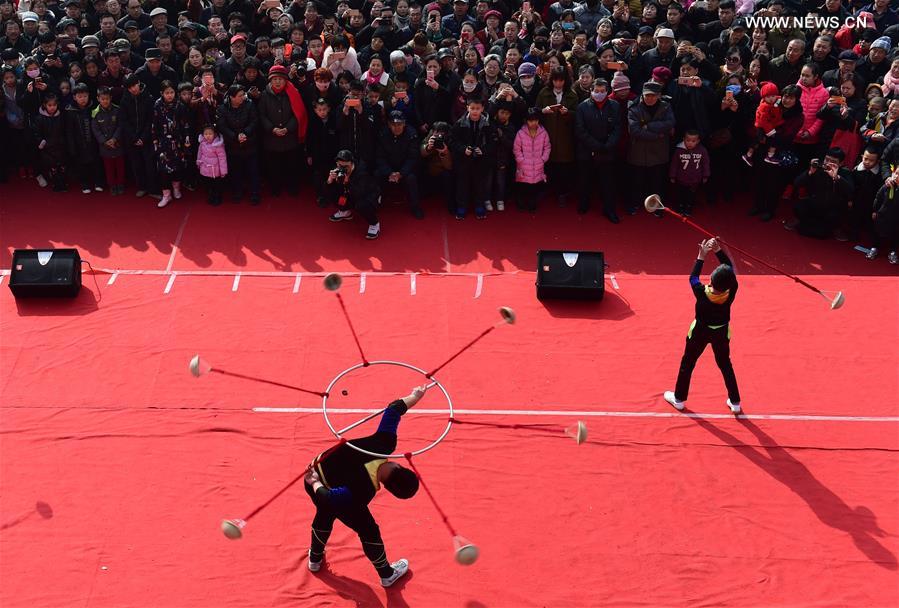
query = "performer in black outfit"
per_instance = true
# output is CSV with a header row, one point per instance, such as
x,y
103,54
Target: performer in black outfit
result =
x,y
711,326
342,481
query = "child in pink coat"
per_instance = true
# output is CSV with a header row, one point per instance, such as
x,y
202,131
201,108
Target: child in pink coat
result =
x,y
531,149
212,163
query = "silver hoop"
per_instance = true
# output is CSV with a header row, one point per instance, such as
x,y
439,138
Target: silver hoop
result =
x,y
449,401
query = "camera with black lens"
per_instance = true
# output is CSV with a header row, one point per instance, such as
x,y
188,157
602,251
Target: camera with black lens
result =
x,y
340,172
439,142
816,163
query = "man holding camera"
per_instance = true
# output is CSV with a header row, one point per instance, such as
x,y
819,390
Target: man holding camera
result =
x,y
397,159
350,189
829,188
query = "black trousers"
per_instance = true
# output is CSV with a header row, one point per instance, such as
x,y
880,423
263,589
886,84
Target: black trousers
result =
x,y
410,184
685,197
645,181
699,337
594,175
816,217
142,162
359,521
281,168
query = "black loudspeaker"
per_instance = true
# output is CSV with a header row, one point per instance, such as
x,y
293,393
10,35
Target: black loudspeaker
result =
x,y
45,273
570,275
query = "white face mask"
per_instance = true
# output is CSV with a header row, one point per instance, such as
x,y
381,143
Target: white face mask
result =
x,y
597,96
33,73
527,81
468,87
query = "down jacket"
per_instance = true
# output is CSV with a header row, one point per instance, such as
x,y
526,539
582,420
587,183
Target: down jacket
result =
x,y
531,155
812,100
211,158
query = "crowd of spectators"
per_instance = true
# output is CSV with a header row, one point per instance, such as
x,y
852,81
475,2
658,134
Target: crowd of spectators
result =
x,y
481,103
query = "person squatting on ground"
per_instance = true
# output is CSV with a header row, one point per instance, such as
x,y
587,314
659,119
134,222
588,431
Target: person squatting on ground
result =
x,y
342,481
711,326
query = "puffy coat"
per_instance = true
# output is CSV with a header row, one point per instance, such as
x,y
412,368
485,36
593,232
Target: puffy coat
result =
x,y
768,116
531,154
650,134
51,129
597,130
812,99
234,121
211,158
79,136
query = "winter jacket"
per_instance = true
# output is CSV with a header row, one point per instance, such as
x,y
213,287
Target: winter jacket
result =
x,y
153,83
768,116
886,206
812,99
321,145
397,153
171,135
560,127
465,134
50,130
275,112
358,133
690,167
79,135
503,138
105,125
650,134
211,159
136,117
597,129
693,109
531,155
232,121
432,105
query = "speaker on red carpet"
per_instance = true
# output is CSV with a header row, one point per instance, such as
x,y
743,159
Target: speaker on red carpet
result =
x,y
570,275
45,273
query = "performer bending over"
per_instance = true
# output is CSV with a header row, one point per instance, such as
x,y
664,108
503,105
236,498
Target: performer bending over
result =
x,y
711,326
342,481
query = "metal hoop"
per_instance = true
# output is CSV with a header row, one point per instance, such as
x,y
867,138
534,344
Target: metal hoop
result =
x,y
449,401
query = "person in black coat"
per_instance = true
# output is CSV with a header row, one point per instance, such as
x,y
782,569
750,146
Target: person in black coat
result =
x,y
398,159
279,126
154,72
136,119
237,121
352,190
50,135
597,130
433,93
470,144
81,142
358,124
321,146
829,188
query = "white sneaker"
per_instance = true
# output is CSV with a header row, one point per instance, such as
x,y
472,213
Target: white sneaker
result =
x,y
734,408
165,200
314,566
41,181
400,568
374,231
339,216
85,191
872,253
98,188
500,206
893,258
488,206
670,398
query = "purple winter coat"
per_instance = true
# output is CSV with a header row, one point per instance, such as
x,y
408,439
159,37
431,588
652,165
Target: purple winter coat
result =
x,y
531,154
211,159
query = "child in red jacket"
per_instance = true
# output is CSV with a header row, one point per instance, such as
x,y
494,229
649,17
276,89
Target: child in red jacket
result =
x,y
768,117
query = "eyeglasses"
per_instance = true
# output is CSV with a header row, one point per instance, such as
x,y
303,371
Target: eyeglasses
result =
x,y
733,59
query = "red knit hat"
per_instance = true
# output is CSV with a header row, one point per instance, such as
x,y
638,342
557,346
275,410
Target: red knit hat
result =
x,y
277,70
769,88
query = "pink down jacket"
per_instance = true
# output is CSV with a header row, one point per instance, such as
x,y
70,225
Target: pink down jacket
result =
x,y
531,154
211,159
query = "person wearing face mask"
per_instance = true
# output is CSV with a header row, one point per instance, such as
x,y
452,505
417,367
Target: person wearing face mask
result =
x,y
322,86
526,88
597,129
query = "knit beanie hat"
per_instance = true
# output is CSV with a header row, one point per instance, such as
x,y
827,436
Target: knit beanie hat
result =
x,y
620,81
769,88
